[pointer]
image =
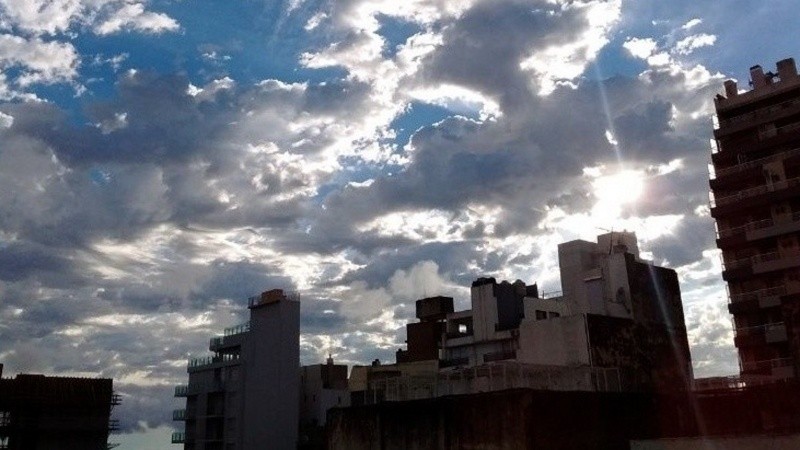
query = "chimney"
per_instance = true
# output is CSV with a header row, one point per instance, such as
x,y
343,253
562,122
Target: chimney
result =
x,y
731,90
786,69
757,77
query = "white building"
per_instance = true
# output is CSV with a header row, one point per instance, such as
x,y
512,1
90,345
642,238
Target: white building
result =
x,y
246,395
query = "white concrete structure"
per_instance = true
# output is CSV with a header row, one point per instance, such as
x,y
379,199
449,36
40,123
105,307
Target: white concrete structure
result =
x,y
246,395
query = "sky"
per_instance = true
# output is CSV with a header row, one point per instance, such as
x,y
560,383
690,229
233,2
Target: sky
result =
x,y
162,160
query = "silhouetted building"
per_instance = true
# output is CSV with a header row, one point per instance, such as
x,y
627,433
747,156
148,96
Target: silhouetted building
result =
x,y
545,419
424,338
246,395
618,326
322,387
38,412
756,204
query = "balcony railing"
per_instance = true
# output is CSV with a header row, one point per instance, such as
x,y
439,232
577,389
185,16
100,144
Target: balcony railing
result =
x,y
767,365
237,329
761,112
179,437
755,295
181,390
179,414
772,132
754,163
552,294
758,329
212,359
752,192
757,226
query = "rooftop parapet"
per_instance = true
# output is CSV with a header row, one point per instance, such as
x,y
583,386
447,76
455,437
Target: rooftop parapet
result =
x,y
271,296
762,84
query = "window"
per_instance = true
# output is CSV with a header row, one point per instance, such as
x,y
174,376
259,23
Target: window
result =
x,y
541,315
553,315
462,328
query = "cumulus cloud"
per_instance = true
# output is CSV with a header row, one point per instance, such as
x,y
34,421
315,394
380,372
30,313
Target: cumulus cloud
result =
x,y
144,216
41,61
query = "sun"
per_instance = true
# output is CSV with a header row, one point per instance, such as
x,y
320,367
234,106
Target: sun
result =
x,y
620,188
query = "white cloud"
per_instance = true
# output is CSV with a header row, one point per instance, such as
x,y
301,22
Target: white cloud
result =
x,y
691,24
42,16
688,45
641,48
6,120
117,122
42,61
563,62
132,16
103,16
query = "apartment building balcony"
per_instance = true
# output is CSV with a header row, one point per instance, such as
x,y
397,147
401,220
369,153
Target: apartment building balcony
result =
x,y
499,356
754,300
760,334
734,269
754,192
454,362
764,228
779,260
760,263
182,390
232,337
179,437
745,166
206,362
777,368
179,415
768,113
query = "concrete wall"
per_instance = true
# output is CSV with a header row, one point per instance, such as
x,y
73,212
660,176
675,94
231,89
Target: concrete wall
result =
x,y
790,442
271,384
560,342
512,419
484,311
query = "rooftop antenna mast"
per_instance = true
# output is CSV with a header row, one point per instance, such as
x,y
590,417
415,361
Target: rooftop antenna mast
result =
x,y
610,241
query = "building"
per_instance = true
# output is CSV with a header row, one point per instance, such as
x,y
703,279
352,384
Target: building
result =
x,y
246,395
56,413
755,184
618,325
322,386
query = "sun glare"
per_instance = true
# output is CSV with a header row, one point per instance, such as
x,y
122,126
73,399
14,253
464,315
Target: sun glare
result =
x,y
620,188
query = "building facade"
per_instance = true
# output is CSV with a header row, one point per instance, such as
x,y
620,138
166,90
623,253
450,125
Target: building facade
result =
x,y
56,413
246,395
755,184
618,325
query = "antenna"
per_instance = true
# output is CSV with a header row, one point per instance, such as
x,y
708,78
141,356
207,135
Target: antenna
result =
x,y
610,241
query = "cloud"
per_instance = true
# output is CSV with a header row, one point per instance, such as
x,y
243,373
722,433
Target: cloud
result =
x,y
132,16
104,16
135,220
42,61
691,43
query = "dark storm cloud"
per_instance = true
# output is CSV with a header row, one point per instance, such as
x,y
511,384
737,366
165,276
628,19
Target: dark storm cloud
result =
x,y
22,260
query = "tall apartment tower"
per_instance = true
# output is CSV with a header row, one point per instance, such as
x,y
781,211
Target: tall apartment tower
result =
x,y
756,203
246,395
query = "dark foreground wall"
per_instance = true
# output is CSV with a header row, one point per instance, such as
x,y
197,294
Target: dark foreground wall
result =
x,y
513,419
552,420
